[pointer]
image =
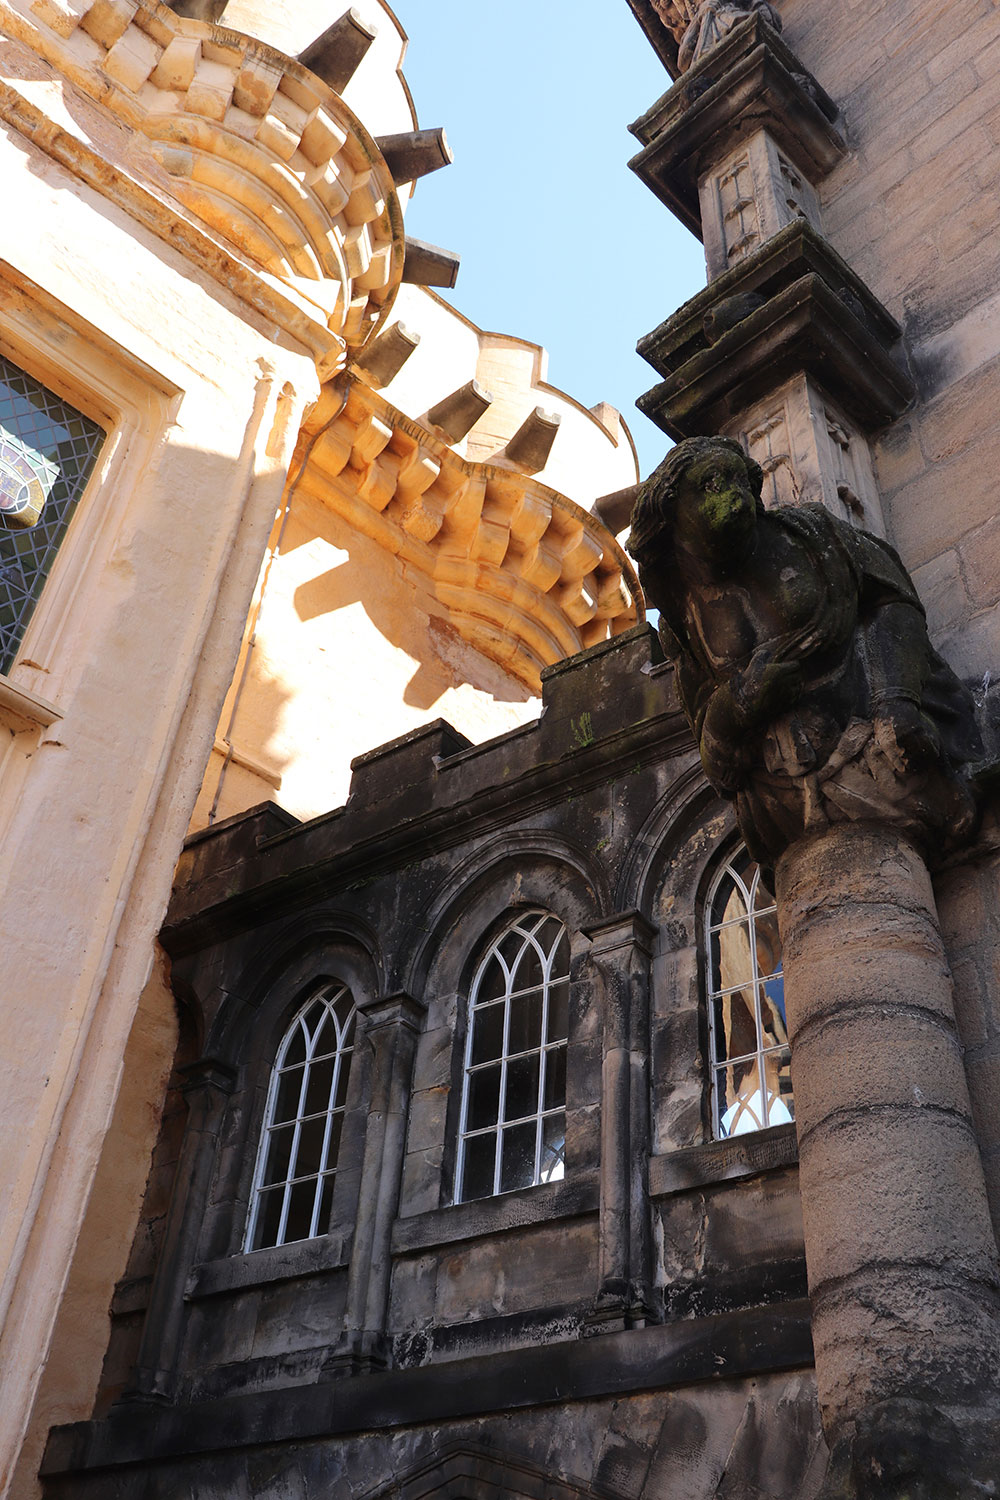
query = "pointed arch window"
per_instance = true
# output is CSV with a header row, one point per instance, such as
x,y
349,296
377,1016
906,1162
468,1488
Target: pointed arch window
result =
x,y
300,1141
513,1121
748,1037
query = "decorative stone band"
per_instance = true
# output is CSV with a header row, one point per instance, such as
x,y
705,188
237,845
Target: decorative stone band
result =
x,y
256,148
524,575
792,306
749,82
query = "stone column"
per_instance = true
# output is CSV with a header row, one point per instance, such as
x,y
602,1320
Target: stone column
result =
x,y
899,1245
391,1030
206,1092
621,955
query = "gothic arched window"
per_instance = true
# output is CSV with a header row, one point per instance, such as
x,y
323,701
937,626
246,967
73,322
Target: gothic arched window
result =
x,y
748,1039
300,1140
513,1124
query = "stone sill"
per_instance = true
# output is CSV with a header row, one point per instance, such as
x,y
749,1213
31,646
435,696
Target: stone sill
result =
x,y
471,1221
654,1359
20,709
723,1161
237,1273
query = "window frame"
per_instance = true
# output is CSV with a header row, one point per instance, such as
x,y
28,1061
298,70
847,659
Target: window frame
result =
x,y
714,994
134,404
330,992
35,584
511,923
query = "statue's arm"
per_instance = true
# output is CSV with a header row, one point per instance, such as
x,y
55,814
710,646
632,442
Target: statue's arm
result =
x,y
897,657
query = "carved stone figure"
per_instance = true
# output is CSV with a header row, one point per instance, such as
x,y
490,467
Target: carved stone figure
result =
x,y
709,21
802,655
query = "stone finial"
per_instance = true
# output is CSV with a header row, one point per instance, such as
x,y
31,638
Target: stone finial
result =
x,y
803,660
458,413
531,444
711,21
414,153
381,361
429,265
337,53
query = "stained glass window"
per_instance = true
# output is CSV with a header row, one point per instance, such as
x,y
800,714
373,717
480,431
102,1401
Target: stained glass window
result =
x,y
513,1128
47,451
748,1038
300,1142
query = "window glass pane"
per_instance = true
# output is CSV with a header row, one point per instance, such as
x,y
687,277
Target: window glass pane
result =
x,y
768,944
326,1203
772,1011
731,959
343,1005
343,1078
529,971
517,1163
279,1154
560,961
480,1160
333,1140
741,1105
268,1218
325,1040
557,1029
525,1022
484,1098
735,1025
729,902
548,933
553,1164
295,1052
320,1086
47,451
302,1198
487,1033
286,1100
308,1158
522,1087
778,1079
510,946
494,981
555,1077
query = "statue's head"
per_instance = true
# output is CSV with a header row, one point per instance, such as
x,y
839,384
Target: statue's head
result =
x,y
704,499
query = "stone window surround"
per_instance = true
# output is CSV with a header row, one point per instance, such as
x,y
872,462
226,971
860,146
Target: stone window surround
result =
x,y
527,925
266,1012
133,403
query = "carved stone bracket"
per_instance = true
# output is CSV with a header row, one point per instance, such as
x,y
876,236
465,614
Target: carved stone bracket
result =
x,y
749,81
523,574
794,306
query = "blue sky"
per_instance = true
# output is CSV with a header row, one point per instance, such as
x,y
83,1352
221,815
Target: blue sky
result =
x,y
535,99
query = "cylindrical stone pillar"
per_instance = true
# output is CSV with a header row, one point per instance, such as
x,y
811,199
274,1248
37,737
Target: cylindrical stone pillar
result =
x,y
900,1250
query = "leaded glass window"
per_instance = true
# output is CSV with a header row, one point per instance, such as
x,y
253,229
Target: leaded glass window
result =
x,y
300,1142
47,451
748,1037
513,1124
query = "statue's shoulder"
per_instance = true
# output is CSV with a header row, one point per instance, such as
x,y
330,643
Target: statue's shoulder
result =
x,y
874,561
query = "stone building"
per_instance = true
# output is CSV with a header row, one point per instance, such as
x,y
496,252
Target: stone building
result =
x,y
243,436
495,1158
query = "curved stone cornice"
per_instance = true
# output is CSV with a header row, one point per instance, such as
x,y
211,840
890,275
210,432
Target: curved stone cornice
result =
x,y
251,144
523,574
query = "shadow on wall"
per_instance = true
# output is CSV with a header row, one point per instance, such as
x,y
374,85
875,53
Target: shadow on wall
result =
x,y
396,607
